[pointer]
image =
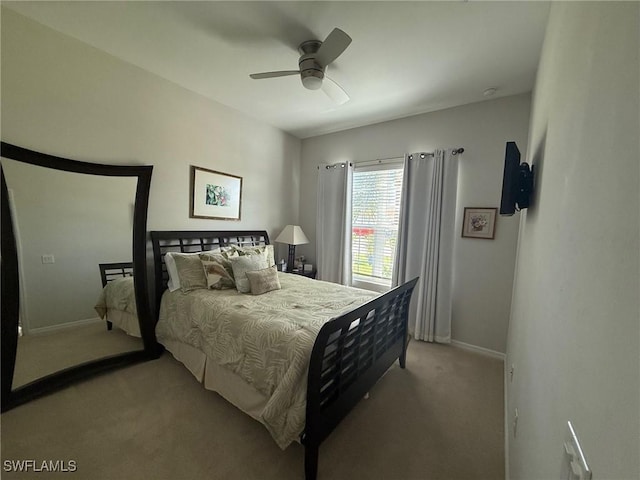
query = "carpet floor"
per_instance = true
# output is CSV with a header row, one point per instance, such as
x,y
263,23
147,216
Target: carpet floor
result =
x,y
441,418
40,355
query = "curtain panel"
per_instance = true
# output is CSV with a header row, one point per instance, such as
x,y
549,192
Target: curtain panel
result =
x,y
425,241
333,223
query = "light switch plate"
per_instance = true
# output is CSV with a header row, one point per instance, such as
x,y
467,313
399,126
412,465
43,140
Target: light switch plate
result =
x,y
576,464
48,258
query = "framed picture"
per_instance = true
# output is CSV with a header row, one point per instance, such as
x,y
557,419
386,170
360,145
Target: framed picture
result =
x,y
479,222
215,194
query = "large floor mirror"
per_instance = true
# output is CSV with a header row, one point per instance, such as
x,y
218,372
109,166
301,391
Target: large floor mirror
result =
x,y
74,278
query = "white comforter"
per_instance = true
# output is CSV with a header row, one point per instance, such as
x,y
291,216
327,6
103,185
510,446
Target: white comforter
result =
x,y
265,339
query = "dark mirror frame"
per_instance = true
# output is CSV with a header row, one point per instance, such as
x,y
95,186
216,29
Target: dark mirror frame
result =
x,y
9,288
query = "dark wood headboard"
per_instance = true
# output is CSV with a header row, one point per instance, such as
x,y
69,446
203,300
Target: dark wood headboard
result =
x,y
191,241
111,271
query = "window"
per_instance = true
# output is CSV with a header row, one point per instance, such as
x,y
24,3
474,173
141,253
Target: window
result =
x,y
375,214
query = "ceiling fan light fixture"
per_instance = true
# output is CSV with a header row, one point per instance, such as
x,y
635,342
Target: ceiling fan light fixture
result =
x,y
314,58
312,81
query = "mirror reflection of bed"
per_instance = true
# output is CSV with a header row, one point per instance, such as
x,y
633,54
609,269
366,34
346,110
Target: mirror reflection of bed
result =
x,y
116,304
67,224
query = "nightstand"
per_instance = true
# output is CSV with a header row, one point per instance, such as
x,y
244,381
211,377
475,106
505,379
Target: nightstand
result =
x,y
311,274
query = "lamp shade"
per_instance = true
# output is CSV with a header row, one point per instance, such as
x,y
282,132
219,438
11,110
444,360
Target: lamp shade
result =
x,y
293,235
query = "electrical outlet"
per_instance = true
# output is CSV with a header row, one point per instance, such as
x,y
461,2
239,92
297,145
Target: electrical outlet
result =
x,y
515,423
48,258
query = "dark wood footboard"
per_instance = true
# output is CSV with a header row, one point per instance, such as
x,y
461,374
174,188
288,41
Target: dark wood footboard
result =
x,y
350,354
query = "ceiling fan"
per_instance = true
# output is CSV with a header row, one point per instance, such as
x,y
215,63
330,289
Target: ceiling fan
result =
x,y
315,56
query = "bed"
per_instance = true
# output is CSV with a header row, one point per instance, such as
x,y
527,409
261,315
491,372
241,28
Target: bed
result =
x,y
297,359
116,303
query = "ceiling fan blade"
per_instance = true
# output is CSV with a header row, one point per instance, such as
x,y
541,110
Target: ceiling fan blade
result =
x,y
283,73
336,43
334,91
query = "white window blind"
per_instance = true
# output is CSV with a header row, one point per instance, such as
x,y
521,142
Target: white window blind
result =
x,y
375,215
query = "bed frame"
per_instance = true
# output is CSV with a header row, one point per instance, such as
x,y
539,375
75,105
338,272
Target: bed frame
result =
x,y
349,355
111,271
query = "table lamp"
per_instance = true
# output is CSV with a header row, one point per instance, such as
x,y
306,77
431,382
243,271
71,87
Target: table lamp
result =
x,y
293,235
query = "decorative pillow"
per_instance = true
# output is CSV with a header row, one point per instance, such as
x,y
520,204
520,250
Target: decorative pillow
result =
x,y
190,272
218,270
263,281
247,263
253,250
174,278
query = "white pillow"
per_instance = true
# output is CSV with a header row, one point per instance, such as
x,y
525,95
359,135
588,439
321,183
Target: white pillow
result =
x,y
174,279
247,263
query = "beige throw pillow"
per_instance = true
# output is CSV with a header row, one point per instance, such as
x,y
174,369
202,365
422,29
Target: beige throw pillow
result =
x,y
218,270
263,281
173,283
253,250
247,263
190,272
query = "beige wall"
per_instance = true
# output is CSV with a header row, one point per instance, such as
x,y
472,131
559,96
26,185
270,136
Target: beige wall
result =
x,y
483,269
575,325
63,97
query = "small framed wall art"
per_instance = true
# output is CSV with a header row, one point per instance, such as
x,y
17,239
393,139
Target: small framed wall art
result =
x,y
214,194
479,223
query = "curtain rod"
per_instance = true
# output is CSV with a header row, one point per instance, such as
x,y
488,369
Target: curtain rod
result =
x,y
335,165
456,151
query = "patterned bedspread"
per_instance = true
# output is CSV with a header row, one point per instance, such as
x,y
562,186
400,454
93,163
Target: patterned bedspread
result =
x,y
265,339
118,294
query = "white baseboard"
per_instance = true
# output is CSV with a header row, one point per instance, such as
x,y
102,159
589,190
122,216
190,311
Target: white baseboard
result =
x,y
507,424
62,326
484,351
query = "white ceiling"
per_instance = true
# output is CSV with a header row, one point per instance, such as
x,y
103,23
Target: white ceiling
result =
x,y
406,57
